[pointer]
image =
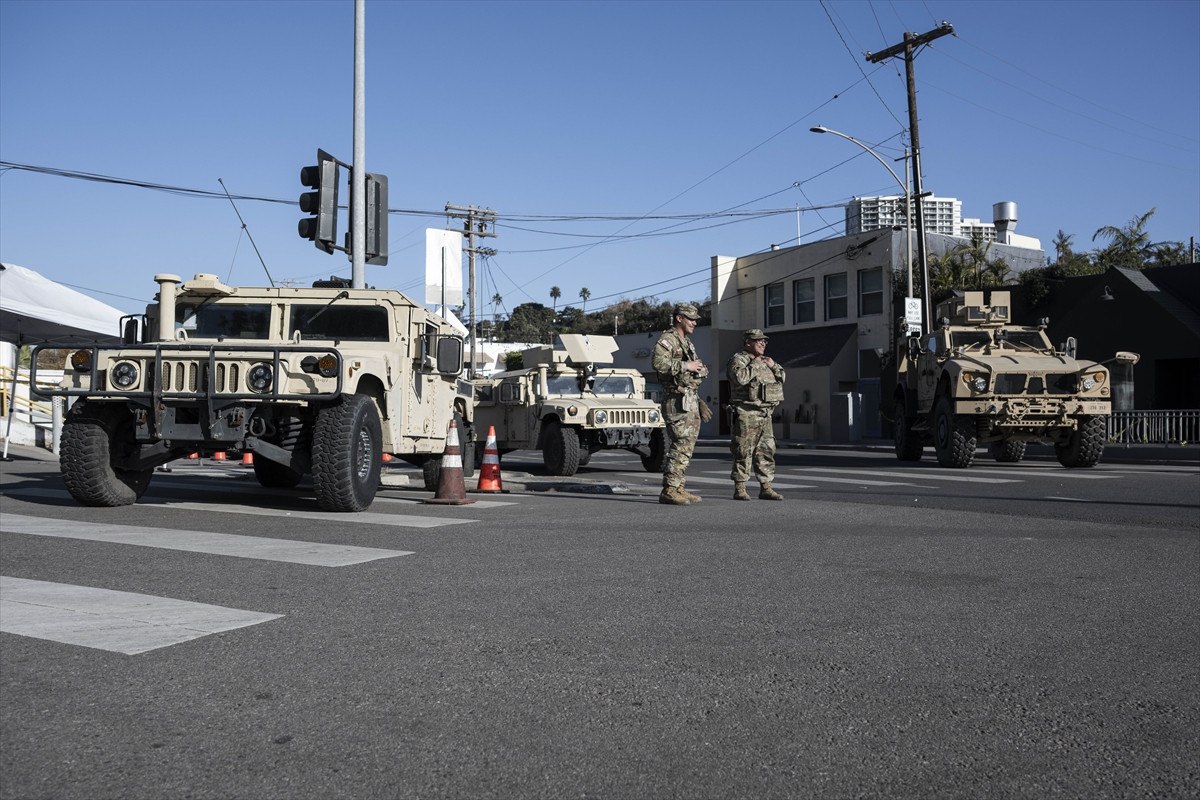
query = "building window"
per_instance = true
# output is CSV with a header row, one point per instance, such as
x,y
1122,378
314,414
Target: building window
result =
x,y
835,296
773,313
804,294
870,291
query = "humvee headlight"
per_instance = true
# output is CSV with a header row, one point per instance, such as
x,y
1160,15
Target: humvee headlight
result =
x,y
601,417
325,366
977,382
652,415
124,374
259,378
81,361
1089,383
572,410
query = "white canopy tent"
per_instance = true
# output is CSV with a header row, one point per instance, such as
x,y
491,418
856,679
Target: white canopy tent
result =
x,y
36,310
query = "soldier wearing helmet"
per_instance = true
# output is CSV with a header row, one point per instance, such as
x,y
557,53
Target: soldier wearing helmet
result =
x,y
680,372
755,389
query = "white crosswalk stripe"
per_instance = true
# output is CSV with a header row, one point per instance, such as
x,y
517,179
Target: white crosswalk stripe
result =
x,y
223,544
916,474
122,622
823,479
361,517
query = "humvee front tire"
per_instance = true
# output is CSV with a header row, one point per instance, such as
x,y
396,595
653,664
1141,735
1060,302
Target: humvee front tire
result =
x,y
657,460
1085,445
1007,451
95,437
560,451
909,446
953,436
347,451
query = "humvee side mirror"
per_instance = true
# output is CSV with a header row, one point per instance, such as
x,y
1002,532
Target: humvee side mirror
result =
x,y
1126,357
449,355
1070,347
129,332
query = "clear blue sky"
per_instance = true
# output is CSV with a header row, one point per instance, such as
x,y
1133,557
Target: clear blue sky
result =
x,y
1084,113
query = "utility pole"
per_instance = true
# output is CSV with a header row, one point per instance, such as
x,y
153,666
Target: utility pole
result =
x,y
907,48
479,222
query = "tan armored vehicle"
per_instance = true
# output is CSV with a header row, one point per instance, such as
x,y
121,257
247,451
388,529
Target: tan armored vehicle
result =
x,y
323,381
562,403
978,379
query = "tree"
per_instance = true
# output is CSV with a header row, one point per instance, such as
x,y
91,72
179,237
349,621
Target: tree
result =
x,y
1129,247
530,322
584,294
966,266
555,293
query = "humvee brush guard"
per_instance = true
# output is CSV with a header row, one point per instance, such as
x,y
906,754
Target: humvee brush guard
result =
x,y
978,379
322,381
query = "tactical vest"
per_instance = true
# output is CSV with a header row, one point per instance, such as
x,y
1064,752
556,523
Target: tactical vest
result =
x,y
671,349
763,390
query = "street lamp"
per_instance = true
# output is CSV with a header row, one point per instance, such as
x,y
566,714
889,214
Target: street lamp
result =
x,y
907,219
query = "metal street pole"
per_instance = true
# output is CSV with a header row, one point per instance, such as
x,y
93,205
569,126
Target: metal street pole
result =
x,y
358,175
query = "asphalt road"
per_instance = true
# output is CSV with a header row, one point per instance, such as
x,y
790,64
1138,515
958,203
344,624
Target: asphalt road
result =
x,y
1030,632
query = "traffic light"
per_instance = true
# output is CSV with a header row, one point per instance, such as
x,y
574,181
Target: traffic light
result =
x,y
322,204
377,219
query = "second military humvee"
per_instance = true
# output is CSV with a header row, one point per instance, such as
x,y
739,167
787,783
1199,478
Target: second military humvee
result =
x,y
322,380
565,404
980,379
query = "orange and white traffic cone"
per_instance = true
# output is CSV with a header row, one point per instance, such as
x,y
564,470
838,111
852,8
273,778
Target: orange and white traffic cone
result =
x,y
247,459
193,456
387,458
489,472
219,456
451,491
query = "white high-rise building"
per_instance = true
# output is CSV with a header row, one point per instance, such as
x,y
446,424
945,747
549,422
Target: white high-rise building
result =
x,y
942,214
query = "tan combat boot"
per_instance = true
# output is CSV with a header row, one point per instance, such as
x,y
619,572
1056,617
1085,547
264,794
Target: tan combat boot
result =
x,y
767,493
739,491
692,498
674,496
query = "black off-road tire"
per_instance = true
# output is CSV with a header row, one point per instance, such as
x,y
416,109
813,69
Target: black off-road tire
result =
x,y
1007,451
560,450
657,460
95,436
273,475
1085,446
431,473
472,451
909,446
347,452
953,436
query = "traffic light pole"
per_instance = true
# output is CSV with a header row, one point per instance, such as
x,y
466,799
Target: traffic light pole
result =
x,y
907,48
358,175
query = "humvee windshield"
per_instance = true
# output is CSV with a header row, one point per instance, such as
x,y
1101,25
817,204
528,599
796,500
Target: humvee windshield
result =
x,y
227,321
969,338
347,323
1033,339
563,384
613,385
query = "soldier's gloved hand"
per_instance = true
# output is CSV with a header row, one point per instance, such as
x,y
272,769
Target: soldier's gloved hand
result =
x,y
705,412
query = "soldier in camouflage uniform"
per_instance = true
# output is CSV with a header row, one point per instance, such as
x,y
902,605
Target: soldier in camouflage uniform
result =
x,y
755,389
680,372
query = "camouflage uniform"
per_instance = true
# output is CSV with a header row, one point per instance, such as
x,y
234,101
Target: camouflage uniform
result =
x,y
680,402
754,391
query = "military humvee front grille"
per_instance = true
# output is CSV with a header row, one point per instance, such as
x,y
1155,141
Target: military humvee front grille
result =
x,y
1010,383
189,376
626,416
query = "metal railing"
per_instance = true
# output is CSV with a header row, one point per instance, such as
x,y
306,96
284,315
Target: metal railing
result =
x,y
1154,427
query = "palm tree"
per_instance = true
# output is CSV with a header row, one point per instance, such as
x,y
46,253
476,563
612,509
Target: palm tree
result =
x,y
555,293
584,294
1129,246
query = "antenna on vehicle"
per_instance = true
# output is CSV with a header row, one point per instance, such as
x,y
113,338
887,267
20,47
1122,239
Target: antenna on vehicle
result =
x,y
247,230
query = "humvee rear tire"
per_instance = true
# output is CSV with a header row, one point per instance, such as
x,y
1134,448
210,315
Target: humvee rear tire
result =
x,y
95,436
909,446
657,460
953,436
560,451
1085,446
431,473
347,452
1007,451
273,475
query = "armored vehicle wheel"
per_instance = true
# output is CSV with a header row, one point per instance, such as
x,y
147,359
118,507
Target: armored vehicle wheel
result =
x,y
908,442
953,436
431,473
1085,446
585,456
560,452
96,437
273,475
1007,451
472,452
346,454
657,460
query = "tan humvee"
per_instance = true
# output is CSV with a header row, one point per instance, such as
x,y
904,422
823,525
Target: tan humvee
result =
x,y
980,379
321,380
562,403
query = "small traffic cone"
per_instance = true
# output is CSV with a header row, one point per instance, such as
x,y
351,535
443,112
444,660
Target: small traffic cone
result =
x,y
193,456
489,472
247,459
387,457
219,456
451,490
